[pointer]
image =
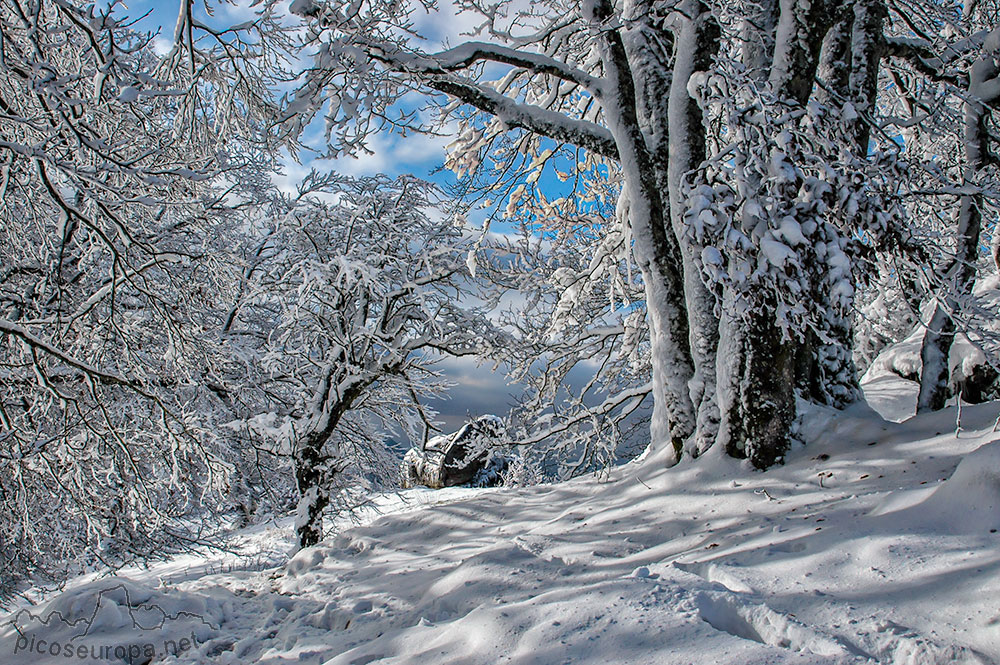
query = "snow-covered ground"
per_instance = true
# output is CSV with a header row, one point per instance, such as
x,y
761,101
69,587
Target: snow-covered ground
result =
x,y
857,550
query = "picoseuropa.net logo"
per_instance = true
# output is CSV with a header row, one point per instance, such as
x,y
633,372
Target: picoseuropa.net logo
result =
x,y
108,626
129,653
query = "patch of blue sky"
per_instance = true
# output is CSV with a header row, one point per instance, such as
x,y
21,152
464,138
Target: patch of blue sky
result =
x,y
393,153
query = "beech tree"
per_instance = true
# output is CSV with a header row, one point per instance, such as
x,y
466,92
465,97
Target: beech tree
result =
x,y
111,259
354,289
762,171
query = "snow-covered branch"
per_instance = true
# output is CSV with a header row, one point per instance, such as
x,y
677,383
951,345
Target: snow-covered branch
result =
x,y
469,53
516,115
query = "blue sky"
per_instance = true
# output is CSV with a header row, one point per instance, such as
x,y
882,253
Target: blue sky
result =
x,y
478,389
391,154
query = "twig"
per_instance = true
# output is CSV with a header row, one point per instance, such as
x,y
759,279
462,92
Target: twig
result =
x,y
765,493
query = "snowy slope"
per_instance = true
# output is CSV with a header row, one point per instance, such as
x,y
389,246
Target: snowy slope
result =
x,y
855,551
895,397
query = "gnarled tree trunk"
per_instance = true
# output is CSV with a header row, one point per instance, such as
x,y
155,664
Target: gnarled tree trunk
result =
x,y
655,248
984,89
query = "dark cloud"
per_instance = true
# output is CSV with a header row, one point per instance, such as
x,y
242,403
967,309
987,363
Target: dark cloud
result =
x,y
478,390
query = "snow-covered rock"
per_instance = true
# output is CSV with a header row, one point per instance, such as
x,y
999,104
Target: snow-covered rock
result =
x,y
459,458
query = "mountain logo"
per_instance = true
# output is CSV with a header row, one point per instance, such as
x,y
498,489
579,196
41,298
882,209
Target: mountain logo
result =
x,y
117,624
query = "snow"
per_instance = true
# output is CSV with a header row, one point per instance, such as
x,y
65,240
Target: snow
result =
x,y
92,622
128,95
472,263
777,253
875,543
891,378
790,231
969,501
892,396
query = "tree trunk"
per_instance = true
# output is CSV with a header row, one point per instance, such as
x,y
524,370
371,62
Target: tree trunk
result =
x,y
757,374
935,374
961,275
757,38
867,47
730,369
655,249
848,72
661,63
315,467
834,71
801,28
767,391
313,481
697,43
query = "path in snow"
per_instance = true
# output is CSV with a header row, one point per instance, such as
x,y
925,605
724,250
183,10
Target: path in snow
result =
x,y
840,556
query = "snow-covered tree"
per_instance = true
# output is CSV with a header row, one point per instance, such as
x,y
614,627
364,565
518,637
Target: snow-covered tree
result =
x,y
763,169
583,347
356,286
957,277
111,174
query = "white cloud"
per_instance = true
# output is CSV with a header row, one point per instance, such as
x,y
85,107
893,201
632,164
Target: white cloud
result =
x,y
446,26
291,175
394,154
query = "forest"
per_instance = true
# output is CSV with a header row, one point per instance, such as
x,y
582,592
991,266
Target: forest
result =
x,y
690,238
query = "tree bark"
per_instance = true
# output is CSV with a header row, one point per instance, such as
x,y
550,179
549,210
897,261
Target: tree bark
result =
x,y
757,38
655,249
696,45
315,467
313,481
662,59
767,391
935,374
867,48
848,74
758,374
